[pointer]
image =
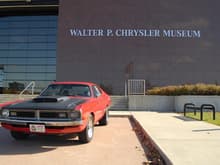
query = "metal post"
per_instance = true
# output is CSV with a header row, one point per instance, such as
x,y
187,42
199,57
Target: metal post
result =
x,y
126,88
213,113
201,113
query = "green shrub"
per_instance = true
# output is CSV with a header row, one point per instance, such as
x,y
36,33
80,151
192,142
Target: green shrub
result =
x,y
196,89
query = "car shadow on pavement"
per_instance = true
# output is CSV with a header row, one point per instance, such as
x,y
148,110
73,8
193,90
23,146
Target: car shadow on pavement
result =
x,y
34,144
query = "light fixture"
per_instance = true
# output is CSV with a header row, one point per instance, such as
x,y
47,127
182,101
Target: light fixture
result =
x,y
5,113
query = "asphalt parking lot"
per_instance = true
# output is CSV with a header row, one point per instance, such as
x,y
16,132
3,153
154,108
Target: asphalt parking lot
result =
x,y
113,144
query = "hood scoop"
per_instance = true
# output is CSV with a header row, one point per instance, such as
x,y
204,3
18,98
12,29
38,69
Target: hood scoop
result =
x,y
49,99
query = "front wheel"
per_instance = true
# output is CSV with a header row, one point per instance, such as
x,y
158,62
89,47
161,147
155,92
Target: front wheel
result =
x,y
19,135
87,134
104,119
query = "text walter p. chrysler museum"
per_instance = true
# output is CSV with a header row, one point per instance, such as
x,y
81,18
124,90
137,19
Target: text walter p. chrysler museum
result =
x,y
171,33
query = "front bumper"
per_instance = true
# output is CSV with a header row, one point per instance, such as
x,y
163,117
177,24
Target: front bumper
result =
x,y
51,127
46,123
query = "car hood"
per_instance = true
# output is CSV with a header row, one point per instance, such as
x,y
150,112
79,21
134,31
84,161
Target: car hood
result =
x,y
48,103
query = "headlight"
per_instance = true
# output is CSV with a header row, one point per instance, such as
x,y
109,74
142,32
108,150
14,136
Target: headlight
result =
x,y
75,115
5,113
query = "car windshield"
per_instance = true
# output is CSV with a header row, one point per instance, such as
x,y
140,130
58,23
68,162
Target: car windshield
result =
x,y
67,90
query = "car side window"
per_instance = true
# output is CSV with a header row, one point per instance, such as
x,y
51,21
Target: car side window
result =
x,y
96,91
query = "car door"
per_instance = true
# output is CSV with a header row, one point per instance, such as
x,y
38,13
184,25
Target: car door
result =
x,y
99,102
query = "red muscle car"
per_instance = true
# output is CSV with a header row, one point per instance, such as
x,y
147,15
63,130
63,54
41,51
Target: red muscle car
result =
x,y
62,108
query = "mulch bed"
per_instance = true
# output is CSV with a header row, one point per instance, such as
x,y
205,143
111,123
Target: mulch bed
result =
x,y
152,154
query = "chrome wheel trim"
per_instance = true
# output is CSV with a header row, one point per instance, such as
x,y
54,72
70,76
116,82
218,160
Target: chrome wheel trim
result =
x,y
90,128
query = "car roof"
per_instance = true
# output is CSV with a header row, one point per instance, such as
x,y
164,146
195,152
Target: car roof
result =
x,y
73,82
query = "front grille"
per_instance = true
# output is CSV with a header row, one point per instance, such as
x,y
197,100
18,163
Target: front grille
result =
x,y
38,114
52,115
22,114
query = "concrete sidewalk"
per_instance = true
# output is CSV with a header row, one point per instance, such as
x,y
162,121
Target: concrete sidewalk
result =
x,y
182,140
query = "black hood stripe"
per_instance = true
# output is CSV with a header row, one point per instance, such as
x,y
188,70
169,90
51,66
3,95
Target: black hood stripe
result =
x,y
48,103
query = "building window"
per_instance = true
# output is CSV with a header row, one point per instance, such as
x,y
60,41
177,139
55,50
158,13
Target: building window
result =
x,y
28,49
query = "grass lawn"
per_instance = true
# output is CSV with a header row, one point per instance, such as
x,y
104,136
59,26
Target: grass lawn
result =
x,y
207,117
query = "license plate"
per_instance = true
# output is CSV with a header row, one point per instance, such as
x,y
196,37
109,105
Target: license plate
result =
x,y
38,128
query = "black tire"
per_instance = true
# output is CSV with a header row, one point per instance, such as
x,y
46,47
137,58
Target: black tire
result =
x,y
87,134
19,135
104,119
